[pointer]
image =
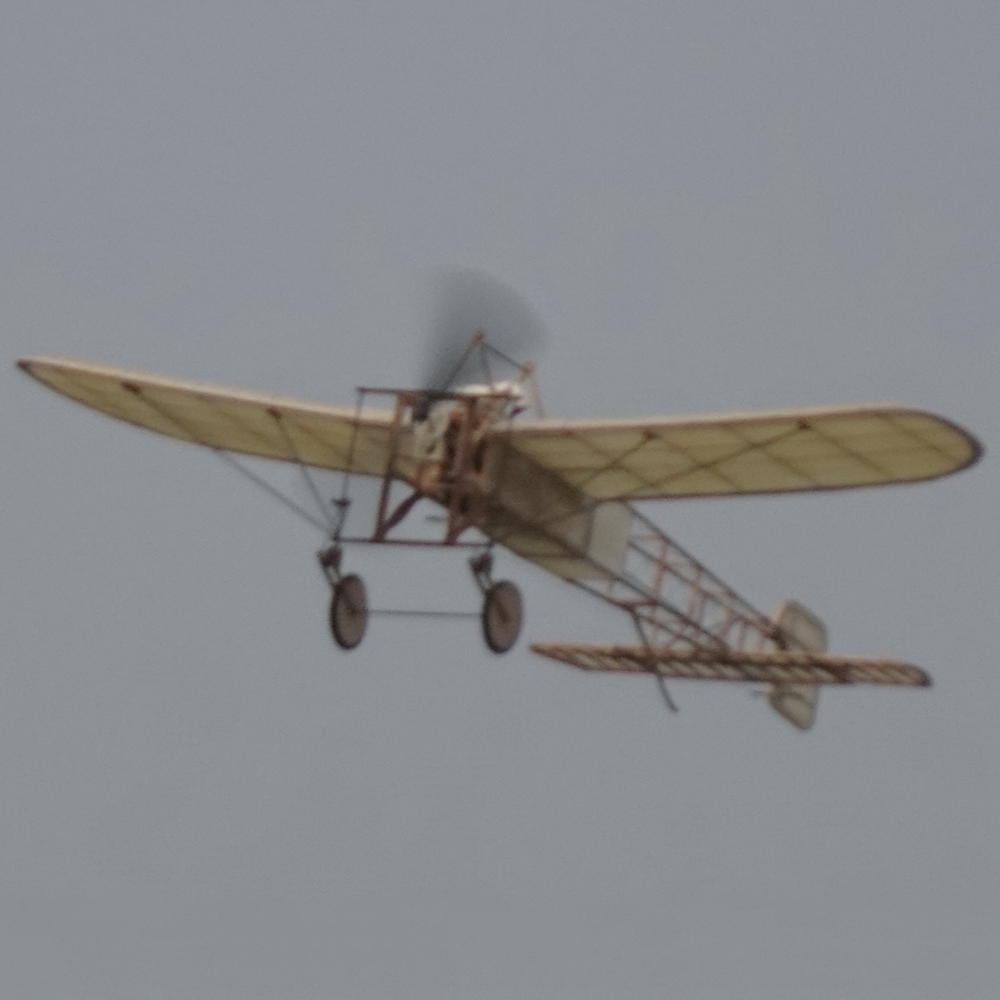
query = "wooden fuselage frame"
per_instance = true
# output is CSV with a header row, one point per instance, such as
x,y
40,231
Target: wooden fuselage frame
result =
x,y
607,548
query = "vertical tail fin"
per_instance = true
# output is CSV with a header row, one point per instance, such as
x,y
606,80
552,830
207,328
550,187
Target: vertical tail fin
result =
x,y
803,631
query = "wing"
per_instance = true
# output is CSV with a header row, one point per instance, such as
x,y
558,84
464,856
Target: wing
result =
x,y
229,419
772,667
727,454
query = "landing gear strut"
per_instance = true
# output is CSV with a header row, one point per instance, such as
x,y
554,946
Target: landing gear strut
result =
x,y
501,616
348,600
503,609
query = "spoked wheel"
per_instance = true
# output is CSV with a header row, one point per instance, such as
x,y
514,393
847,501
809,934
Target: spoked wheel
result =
x,y
348,611
502,616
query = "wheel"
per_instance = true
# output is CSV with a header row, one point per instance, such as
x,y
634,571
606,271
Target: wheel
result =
x,y
502,616
348,611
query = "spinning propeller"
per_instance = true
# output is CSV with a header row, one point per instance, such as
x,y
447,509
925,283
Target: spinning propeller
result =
x,y
471,320
471,310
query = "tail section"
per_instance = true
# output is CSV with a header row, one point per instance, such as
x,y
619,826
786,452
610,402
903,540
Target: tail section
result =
x,y
792,674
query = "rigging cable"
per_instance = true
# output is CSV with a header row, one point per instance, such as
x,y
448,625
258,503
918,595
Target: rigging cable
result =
x,y
229,459
310,483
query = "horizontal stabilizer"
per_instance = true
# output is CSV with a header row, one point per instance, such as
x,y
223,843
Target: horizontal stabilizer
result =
x,y
725,664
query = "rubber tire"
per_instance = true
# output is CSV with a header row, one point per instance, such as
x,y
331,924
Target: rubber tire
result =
x,y
502,616
349,611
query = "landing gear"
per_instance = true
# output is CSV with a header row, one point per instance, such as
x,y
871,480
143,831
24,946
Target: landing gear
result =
x,y
349,611
503,610
502,616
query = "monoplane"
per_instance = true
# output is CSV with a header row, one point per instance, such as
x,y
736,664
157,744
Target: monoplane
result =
x,y
560,494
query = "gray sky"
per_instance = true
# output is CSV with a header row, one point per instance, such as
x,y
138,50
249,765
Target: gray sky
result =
x,y
713,206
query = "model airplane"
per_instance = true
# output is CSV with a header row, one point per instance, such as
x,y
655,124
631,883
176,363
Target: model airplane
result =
x,y
558,493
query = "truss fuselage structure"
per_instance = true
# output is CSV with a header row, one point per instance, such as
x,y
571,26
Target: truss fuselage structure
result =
x,y
467,464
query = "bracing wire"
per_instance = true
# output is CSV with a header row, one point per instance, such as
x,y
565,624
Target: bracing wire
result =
x,y
303,468
476,341
233,463
268,488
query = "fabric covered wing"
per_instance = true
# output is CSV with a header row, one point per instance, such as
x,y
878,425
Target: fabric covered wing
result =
x,y
229,419
771,667
728,454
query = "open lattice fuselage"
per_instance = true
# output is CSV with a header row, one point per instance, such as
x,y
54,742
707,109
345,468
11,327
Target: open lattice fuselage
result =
x,y
461,457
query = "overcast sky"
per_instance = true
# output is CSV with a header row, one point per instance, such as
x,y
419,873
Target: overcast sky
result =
x,y
712,206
